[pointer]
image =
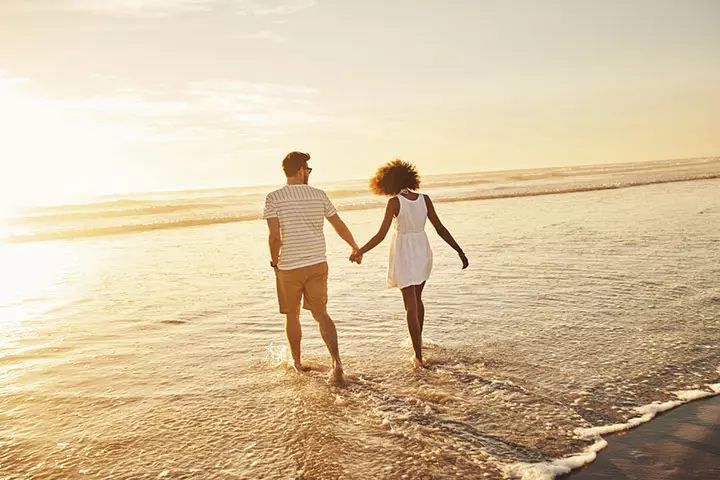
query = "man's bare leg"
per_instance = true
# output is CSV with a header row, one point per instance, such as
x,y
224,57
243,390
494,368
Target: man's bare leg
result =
x,y
293,330
329,336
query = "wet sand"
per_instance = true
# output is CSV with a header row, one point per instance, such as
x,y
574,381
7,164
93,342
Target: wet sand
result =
x,y
682,444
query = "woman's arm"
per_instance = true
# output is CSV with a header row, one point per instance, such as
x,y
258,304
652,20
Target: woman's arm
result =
x,y
392,209
443,232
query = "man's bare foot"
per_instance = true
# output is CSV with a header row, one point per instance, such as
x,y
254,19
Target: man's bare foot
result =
x,y
299,367
417,363
337,375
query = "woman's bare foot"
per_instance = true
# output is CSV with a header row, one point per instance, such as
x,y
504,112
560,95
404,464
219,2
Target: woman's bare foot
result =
x,y
417,363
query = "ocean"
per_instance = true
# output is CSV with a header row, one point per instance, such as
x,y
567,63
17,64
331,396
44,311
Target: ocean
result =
x,y
140,338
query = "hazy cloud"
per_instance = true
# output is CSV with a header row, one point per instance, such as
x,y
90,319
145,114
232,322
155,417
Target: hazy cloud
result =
x,y
258,104
268,35
240,112
160,7
281,7
7,80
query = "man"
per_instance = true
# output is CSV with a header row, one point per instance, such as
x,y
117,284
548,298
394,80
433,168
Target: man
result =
x,y
295,216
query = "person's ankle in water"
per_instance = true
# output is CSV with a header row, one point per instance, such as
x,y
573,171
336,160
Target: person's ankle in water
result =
x,y
299,367
337,373
417,362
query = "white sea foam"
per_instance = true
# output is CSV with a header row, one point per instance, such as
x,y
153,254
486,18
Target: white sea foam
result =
x,y
690,395
427,343
550,470
279,356
648,413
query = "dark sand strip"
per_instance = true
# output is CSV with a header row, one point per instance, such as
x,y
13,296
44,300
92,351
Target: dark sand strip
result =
x,y
682,444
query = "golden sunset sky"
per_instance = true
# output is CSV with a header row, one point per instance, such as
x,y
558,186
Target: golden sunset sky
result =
x,y
106,96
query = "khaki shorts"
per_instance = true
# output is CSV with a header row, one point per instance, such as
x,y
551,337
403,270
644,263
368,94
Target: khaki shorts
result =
x,y
308,283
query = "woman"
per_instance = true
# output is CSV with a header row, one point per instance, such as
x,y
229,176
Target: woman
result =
x,y
410,253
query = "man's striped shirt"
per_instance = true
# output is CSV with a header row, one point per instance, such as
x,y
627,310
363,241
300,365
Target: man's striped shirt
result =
x,y
301,211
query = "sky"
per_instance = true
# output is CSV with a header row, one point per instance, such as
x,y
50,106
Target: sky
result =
x,y
108,96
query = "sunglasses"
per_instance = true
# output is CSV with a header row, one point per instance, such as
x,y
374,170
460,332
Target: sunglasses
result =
x,y
309,169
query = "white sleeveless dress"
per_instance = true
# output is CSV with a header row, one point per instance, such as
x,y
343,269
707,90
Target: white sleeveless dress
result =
x,y
410,255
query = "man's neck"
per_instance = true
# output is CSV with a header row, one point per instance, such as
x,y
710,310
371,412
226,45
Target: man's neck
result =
x,y
295,181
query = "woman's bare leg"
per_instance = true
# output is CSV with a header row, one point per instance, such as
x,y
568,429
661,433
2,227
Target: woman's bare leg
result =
x,y
411,310
421,306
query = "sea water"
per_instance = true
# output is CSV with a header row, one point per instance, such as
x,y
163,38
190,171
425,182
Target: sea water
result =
x,y
133,349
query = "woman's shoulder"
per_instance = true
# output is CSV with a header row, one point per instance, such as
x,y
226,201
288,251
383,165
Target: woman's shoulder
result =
x,y
428,203
394,204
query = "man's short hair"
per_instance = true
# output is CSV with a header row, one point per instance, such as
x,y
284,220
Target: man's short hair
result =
x,y
293,162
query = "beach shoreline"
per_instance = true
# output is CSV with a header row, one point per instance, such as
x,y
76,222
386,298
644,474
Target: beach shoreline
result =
x,y
683,443
603,436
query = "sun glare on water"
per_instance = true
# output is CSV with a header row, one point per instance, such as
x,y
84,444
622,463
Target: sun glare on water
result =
x,y
38,167
34,279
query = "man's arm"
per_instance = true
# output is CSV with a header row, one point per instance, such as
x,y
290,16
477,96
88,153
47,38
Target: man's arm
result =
x,y
274,240
343,231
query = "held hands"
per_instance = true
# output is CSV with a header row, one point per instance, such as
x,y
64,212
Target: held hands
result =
x,y
356,256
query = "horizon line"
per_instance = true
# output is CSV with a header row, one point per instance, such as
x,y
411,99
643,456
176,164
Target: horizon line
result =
x,y
109,197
